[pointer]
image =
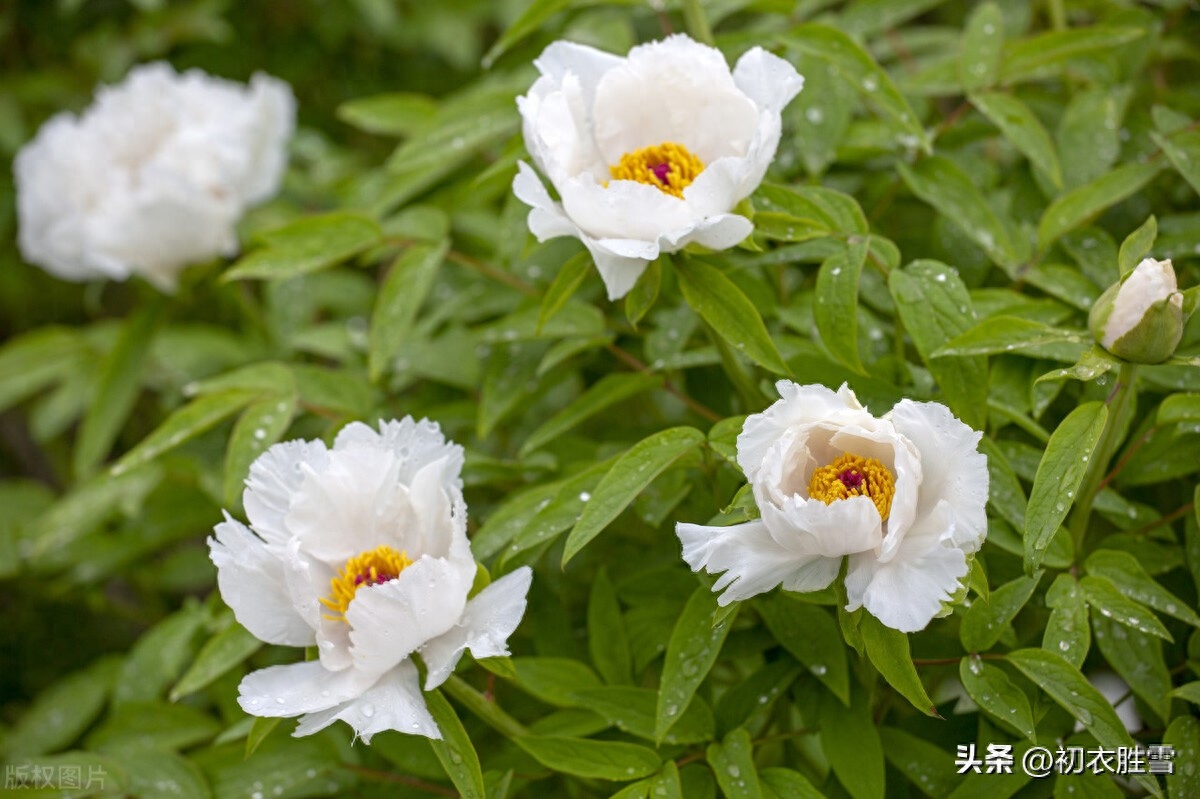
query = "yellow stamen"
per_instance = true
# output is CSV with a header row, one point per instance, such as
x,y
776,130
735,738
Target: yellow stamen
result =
x,y
669,167
853,476
368,568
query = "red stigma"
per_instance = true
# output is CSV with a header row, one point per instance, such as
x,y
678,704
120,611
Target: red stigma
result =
x,y
851,479
661,171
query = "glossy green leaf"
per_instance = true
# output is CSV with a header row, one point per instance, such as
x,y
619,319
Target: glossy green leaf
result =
x,y
395,114
261,425
1000,334
1183,151
732,763
810,634
400,297
1137,245
1059,475
1183,735
888,651
1138,659
629,475
1131,579
307,245
995,693
198,416
1107,600
985,622
1022,129
225,650
633,710
1068,633
722,304
851,741
1079,205
455,750
583,757
982,46
566,282
1030,57
926,765
692,650
606,392
784,783
836,307
608,642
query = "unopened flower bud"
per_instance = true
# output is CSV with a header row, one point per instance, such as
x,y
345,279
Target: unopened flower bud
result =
x,y
1140,318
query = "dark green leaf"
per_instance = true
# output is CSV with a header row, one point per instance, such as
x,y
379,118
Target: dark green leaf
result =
x,y
991,689
722,304
836,307
1107,600
606,392
400,297
732,762
982,43
1022,129
308,244
888,651
985,622
566,282
811,635
455,750
222,652
582,757
1067,631
1079,205
692,650
607,640
851,741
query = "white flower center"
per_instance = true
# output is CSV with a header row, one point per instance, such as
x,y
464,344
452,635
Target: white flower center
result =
x,y
854,476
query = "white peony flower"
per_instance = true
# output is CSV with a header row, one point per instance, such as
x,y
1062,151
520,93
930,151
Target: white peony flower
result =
x,y
651,152
902,496
1140,318
360,550
153,176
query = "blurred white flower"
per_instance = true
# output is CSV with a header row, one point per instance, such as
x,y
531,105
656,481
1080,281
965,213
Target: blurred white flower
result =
x,y
154,176
1117,693
360,550
902,496
651,152
1140,318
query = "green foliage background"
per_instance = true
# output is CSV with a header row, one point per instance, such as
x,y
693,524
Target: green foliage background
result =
x,y
957,183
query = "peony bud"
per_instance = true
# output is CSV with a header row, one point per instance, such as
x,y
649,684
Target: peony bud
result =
x,y
1140,318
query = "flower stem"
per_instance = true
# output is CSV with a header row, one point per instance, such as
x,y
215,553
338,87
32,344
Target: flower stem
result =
x,y
1110,439
696,21
487,711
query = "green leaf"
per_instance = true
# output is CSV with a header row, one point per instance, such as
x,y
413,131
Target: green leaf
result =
x,y
888,651
1028,58
756,692
259,730
169,726
927,766
604,393
722,304
1091,365
1179,408
455,750
785,227
982,45
810,634
1103,595
732,763
1183,735
633,710
158,657
985,622
1189,692
692,650
228,648
1066,686
566,282
118,384
783,783
581,757
836,307
1000,334
665,783
1183,151
832,209
991,689
88,506
1137,245
554,680
1023,130
608,643
198,416
1079,205
935,308
851,741
631,473
860,70
1059,474
155,774
1131,579
642,296
262,424
395,114
940,182
531,19
307,245
400,297
35,360
1138,659
1067,632
60,714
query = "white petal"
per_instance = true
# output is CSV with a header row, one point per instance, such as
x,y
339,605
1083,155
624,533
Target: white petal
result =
x,y
390,621
619,273
299,688
624,209
415,445
547,220
490,618
1151,281
718,232
557,124
274,477
253,583
814,528
674,90
953,470
906,592
393,703
767,79
588,64
752,560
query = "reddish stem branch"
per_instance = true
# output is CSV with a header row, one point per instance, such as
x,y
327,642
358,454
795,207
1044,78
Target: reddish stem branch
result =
x,y
631,360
